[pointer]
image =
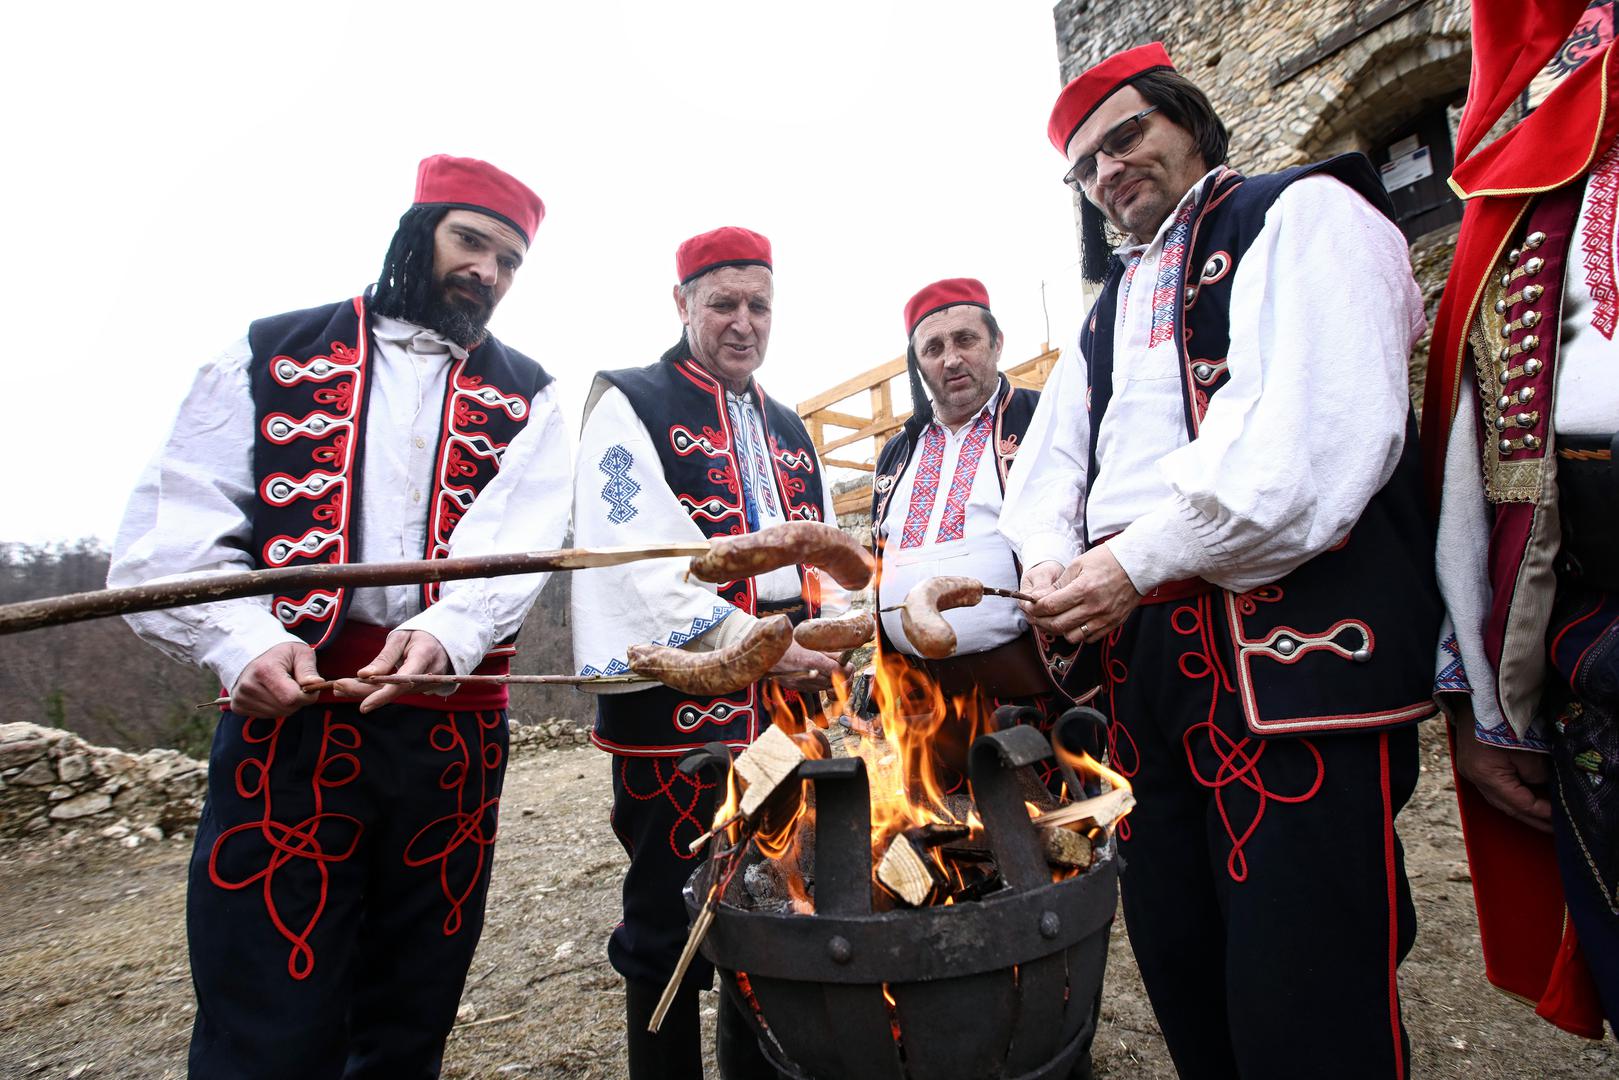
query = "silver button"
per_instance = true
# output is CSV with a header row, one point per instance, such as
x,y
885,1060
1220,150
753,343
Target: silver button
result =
x,y
1506,279
1524,395
1531,442
1202,371
1533,293
1533,265
1531,366
1513,256
1506,446
1534,240
1500,307
1501,421
1506,399
1286,645
420,442
1362,655
1530,318
1503,356
1530,341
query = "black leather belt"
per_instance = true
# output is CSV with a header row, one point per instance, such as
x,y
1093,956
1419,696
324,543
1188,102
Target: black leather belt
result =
x,y
1588,503
1012,670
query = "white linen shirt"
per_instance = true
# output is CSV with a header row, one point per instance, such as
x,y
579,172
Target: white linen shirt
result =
x,y
191,511
621,497
1292,448
979,552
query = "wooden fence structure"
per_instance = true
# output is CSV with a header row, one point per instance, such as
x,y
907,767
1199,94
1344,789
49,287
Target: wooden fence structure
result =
x,y
850,430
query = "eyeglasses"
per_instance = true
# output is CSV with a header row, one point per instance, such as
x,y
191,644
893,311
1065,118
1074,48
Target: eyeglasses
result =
x,y
1120,139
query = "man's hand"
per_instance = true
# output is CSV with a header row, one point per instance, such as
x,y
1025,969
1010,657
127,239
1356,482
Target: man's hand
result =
x,y
1039,580
798,658
273,684
1506,778
1089,599
406,652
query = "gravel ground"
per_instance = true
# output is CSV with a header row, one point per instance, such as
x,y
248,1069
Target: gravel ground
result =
x,y
93,971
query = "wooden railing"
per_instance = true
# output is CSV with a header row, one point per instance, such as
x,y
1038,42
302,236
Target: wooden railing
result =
x,y
849,430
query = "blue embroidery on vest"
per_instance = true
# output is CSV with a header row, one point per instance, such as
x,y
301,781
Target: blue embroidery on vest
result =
x,y
620,489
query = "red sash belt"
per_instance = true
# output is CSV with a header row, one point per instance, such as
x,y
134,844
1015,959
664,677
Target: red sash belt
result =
x,y
357,644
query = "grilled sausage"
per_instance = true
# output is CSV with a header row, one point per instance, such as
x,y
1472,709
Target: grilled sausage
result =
x,y
808,543
927,630
723,671
835,635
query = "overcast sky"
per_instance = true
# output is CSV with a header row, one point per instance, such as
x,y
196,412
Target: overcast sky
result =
x,y
177,171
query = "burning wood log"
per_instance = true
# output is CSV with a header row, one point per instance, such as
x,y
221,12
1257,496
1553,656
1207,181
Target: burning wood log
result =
x,y
1103,810
936,834
1066,848
764,766
907,873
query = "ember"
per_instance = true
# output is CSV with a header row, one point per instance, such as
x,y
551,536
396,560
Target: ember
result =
x,y
875,914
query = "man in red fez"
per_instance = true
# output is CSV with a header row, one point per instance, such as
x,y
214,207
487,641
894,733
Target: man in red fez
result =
x,y
1221,492
935,509
343,855
689,447
1520,416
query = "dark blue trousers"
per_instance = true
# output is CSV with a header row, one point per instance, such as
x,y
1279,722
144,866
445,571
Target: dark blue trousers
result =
x,y
337,890
1583,645
1264,887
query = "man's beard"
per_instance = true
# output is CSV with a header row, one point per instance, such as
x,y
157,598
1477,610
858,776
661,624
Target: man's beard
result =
x,y
458,318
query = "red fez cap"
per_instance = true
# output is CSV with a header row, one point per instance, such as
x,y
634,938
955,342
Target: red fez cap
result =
x,y
469,184
1081,97
729,245
943,294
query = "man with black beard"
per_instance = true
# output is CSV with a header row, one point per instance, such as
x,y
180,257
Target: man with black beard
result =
x,y
342,859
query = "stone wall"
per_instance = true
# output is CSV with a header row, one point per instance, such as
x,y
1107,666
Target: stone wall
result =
x,y
54,784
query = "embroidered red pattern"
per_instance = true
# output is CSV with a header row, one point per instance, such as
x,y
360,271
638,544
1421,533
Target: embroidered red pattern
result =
x,y
302,847
1598,245
954,522
924,489
465,452
470,775
684,793
1236,760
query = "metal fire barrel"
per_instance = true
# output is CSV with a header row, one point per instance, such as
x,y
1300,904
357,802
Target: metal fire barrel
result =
x,y
1004,987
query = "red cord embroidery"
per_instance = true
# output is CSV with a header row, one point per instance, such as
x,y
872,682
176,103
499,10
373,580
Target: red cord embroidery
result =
x,y
474,819
318,838
1238,760
684,793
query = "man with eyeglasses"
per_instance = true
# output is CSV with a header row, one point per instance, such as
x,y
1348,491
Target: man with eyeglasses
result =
x,y
1221,493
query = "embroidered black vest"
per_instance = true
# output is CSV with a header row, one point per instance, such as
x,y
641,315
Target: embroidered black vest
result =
x,y
1013,412
683,408
1346,641
310,380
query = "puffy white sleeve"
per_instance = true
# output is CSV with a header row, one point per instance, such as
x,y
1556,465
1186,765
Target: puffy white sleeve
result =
x,y
1043,517
620,497
190,513
523,508
1324,313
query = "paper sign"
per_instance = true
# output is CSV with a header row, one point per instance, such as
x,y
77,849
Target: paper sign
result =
x,y
1407,169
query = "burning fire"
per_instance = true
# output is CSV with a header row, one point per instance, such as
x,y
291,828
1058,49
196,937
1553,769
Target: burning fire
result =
x,y
917,777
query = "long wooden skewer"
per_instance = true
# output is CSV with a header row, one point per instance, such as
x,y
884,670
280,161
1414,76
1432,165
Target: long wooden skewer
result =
x,y
491,680
1009,593
76,607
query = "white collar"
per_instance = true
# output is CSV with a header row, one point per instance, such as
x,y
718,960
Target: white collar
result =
x,y
414,338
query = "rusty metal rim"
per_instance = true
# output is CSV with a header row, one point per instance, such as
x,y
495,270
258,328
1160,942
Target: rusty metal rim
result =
x,y
914,944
